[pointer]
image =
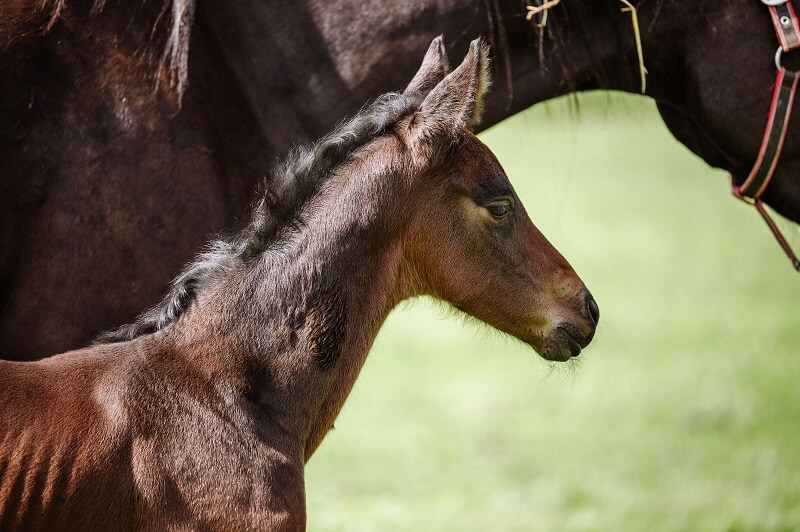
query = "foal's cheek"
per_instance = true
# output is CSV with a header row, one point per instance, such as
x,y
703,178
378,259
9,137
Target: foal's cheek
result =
x,y
459,223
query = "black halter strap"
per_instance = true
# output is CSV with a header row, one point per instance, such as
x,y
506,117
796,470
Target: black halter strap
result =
x,y
774,135
787,29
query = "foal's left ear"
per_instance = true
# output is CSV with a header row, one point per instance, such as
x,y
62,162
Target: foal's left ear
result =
x,y
457,101
433,69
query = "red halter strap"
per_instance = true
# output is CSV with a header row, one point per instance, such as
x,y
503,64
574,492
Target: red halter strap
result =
x,y
788,32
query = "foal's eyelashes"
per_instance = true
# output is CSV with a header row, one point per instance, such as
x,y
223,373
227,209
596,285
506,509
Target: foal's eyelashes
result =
x,y
500,208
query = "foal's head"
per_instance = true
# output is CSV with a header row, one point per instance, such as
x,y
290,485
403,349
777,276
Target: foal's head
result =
x,y
468,239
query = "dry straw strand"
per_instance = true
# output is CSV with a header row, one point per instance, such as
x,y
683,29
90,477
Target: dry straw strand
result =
x,y
638,36
629,8
543,9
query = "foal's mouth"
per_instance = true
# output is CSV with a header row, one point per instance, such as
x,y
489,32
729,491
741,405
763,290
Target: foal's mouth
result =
x,y
564,342
569,340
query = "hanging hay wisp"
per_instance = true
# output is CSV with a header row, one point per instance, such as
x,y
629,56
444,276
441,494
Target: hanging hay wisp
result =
x,y
544,8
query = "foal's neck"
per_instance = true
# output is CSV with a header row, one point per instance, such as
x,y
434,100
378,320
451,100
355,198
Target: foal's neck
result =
x,y
294,325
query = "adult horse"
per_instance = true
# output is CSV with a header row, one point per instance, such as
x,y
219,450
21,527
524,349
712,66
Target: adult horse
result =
x,y
149,123
206,417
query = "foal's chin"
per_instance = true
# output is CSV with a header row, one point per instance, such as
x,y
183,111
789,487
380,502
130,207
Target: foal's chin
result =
x,y
561,343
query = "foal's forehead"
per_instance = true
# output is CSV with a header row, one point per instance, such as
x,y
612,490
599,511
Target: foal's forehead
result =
x,y
479,166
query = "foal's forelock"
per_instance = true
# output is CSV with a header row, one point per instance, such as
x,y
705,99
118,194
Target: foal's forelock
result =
x,y
281,197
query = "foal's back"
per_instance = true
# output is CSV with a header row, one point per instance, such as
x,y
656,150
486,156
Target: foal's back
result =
x,y
58,437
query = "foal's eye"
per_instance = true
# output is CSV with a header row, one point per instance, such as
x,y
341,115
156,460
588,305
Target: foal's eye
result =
x,y
500,209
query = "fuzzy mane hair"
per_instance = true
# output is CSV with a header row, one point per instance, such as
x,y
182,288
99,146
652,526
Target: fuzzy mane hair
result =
x,y
282,195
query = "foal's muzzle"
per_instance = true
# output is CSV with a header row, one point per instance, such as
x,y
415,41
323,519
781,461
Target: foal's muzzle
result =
x,y
568,338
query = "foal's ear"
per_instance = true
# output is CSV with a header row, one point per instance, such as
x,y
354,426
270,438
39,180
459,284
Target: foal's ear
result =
x,y
457,101
433,69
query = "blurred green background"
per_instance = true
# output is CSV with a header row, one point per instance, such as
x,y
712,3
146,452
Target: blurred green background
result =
x,y
684,413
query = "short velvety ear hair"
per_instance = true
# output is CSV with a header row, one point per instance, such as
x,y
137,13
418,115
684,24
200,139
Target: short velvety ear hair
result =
x,y
457,101
433,69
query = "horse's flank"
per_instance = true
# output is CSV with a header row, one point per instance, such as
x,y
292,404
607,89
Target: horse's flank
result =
x,y
167,27
101,156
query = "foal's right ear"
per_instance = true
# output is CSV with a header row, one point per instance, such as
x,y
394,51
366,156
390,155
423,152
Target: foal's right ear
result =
x,y
456,102
433,69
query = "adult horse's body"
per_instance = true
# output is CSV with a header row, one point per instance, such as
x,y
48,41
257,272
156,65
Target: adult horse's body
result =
x,y
206,415
108,185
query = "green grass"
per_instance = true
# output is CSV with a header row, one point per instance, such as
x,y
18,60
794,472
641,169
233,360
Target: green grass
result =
x,y
684,414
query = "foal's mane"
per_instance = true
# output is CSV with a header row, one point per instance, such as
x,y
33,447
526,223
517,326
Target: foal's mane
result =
x,y
282,194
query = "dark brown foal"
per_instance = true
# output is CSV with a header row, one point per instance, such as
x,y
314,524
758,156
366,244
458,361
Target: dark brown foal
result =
x,y
203,413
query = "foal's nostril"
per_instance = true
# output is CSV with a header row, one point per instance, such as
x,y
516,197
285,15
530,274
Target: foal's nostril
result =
x,y
594,311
